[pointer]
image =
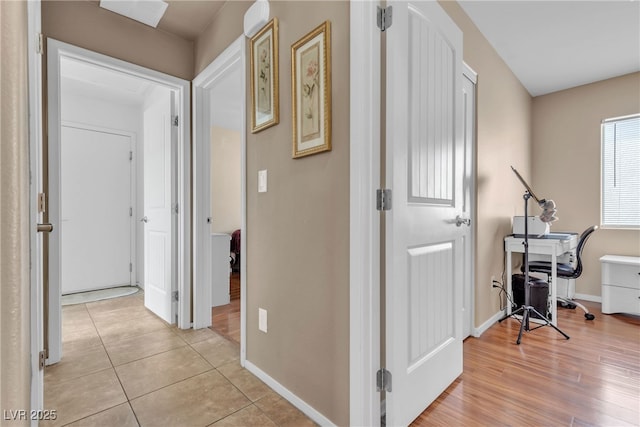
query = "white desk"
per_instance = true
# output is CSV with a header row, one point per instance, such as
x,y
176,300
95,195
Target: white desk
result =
x,y
552,245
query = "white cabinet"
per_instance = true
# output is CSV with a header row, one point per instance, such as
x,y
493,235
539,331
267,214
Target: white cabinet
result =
x,y
220,269
620,284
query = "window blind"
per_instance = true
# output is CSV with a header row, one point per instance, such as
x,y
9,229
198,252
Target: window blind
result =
x,y
621,172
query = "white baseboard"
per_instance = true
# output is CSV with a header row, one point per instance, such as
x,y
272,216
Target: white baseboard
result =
x,y
587,297
489,323
292,398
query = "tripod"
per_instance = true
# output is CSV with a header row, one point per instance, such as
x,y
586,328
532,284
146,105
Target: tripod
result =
x,y
526,309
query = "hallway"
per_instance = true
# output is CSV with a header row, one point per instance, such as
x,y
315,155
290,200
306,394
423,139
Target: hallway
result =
x,y
123,366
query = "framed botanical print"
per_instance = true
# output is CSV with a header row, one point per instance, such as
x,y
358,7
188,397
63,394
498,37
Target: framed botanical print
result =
x,y
265,108
311,92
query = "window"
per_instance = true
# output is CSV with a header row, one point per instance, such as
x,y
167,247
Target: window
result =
x,y
621,172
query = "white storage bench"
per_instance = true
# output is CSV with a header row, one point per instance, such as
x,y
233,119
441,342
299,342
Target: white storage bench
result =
x,y
620,284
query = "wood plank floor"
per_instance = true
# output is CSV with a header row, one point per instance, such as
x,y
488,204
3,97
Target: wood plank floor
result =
x,y
225,320
592,379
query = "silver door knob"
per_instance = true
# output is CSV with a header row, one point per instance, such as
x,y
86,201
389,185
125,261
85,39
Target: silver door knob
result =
x,y
460,221
144,219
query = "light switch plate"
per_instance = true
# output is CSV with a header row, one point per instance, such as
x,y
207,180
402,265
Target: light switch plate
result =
x,y
262,181
262,320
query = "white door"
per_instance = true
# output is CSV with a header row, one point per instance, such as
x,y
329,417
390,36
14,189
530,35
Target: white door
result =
x,y
159,205
96,223
424,169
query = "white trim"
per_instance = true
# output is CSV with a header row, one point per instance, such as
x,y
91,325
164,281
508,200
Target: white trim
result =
x,y
232,56
35,165
587,297
469,73
307,409
489,323
364,222
56,50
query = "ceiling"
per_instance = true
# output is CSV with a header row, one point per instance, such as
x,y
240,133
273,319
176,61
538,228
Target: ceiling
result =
x,y
549,45
189,18
92,81
556,45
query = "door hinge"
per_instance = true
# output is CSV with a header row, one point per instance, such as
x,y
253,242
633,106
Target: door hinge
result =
x,y
130,155
42,357
385,17
383,199
175,120
130,267
175,209
175,296
383,380
40,46
130,211
42,202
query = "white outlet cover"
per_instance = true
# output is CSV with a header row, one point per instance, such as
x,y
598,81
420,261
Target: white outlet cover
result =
x,y
262,320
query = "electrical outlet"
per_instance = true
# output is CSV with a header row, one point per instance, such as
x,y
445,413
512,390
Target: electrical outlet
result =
x,y
262,320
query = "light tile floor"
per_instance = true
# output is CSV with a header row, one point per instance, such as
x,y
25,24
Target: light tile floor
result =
x,y
123,366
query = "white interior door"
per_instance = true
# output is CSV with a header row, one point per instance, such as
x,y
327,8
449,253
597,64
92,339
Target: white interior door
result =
x,y
96,223
159,205
424,246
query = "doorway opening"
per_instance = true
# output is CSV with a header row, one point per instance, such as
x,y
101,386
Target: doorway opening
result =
x,y
220,261
116,184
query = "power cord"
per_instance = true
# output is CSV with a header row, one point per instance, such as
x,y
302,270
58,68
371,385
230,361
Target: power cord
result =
x,y
503,295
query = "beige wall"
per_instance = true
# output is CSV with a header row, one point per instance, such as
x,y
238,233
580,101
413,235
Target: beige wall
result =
x,y
298,232
226,27
504,139
85,24
226,194
15,361
566,164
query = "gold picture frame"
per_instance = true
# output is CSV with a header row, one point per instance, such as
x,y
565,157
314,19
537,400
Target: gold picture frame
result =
x,y
311,92
265,102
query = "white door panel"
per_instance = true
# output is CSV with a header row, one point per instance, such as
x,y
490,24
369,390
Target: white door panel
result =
x,y
424,247
159,182
95,227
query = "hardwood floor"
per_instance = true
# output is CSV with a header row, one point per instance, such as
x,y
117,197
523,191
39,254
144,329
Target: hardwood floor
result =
x,y
225,320
591,379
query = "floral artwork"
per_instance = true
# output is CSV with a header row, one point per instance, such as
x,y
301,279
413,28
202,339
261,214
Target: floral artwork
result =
x,y
311,92
264,77
310,97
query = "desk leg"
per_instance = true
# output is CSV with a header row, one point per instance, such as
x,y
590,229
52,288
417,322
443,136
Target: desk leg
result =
x,y
509,284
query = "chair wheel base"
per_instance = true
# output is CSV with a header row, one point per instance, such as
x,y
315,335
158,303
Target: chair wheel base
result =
x,y
589,316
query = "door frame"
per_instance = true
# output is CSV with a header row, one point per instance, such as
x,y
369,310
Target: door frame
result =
x,y
56,51
364,219
36,239
364,222
470,285
234,54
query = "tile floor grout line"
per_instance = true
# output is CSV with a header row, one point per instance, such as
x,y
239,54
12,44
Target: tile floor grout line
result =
x,y
236,411
150,356
172,384
134,413
96,413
